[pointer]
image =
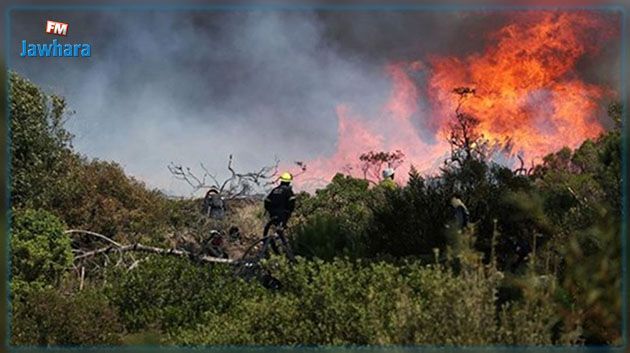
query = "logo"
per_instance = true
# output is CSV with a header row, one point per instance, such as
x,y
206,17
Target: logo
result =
x,y
55,49
58,28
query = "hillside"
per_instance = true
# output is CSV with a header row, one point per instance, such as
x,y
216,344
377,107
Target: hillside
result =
x,y
540,264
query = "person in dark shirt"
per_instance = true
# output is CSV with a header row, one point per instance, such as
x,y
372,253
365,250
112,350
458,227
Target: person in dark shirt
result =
x,y
280,202
460,212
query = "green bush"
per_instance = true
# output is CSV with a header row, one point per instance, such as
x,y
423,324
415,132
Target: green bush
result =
x,y
168,293
592,279
340,213
101,198
412,221
582,194
51,317
409,221
532,320
359,302
40,250
323,237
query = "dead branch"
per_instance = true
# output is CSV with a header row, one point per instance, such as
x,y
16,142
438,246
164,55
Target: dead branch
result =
x,y
149,249
237,184
186,175
100,236
120,249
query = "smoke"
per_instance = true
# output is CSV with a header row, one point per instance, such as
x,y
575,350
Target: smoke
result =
x,y
191,87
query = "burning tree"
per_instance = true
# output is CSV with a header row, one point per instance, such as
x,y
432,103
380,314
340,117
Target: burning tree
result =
x,y
466,142
372,163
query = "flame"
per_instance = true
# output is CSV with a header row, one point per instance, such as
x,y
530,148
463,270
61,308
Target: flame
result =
x,y
528,92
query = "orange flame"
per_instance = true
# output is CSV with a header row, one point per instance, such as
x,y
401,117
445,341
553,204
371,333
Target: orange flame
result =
x,y
528,91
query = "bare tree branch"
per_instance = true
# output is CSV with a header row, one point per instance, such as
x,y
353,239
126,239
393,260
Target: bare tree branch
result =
x,y
100,236
237,184
185,175
149,249
205,170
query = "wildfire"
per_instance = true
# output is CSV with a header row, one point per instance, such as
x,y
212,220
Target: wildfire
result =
x,y
528,91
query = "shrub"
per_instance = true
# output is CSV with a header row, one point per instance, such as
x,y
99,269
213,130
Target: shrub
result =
x,y
50,317
592,279
409,221
530,320
167,293
101,198
342,207
40,250
323,237
249,218
359,302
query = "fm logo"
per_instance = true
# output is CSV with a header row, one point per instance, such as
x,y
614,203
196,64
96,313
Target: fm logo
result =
x,y
58,28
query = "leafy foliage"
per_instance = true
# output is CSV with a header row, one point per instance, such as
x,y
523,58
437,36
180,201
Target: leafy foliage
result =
x,y
50,317
394,233
41,251
322,237
166,293
582,191
338,214
100,197
39,144
346,302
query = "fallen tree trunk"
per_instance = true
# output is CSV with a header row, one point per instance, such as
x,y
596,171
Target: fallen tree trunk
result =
x,y
116,247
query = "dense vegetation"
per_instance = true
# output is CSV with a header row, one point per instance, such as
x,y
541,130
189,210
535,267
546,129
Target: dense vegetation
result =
x,y
540,265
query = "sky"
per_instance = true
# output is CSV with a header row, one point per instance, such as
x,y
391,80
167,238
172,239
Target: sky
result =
x,y
193,87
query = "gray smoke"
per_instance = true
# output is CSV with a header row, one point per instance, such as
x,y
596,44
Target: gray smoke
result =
x,y
190,88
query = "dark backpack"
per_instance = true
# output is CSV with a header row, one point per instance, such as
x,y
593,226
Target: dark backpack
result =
x,y
214,205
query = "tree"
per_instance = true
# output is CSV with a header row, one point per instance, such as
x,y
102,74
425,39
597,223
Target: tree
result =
x,y
372,163
238,184
463,136
39,143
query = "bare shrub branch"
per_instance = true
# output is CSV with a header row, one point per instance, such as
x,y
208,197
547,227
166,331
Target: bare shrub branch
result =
x,y
148,249
114,247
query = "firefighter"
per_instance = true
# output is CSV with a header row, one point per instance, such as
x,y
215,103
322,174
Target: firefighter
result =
x,y
461,216
388,179
214,204
280,202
